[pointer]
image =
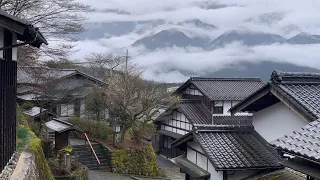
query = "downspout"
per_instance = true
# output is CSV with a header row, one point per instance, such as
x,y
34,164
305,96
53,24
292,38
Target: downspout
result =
x,y
225,175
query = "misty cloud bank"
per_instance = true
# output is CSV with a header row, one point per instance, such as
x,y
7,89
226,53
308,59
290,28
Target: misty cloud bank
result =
x,y
286,18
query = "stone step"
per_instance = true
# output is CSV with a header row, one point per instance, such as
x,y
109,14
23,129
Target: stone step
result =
x,y
100,167
89,153
88,160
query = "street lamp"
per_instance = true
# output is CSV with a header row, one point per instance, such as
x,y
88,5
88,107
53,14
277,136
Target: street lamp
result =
x,y
116,133
116,128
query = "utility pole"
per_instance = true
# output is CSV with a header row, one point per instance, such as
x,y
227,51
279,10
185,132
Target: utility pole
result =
x,y
127,58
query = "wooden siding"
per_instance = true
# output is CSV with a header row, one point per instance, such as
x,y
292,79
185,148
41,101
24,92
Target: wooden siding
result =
x,y
8,88
176,123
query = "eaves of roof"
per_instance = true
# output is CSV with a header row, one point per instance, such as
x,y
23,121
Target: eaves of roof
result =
x,y
281,95
294,103
87,76
25,30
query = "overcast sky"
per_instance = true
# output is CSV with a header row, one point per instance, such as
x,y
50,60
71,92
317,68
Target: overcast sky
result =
x,y
283,17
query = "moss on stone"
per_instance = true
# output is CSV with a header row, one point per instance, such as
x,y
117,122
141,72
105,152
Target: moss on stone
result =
x,y
34,144
42,164
140,161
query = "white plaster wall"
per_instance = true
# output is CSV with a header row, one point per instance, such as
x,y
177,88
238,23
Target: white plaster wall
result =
x,y
184,124
195,146
191,155
202,161
198,159
193,92
14,50
214,175
218,103
276,121
226,107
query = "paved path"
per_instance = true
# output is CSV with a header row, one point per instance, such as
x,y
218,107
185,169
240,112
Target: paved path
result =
x,y
171,170
101,175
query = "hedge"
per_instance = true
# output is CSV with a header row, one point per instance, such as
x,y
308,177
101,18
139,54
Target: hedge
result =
x,y
97,129
140,161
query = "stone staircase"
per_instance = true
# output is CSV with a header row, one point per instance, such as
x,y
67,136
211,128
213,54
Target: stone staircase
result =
x,y
87,158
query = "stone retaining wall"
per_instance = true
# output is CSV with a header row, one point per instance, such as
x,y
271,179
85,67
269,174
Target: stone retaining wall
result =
x,y
26,168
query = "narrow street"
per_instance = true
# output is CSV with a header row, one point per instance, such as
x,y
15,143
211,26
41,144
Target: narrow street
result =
x,y
101,175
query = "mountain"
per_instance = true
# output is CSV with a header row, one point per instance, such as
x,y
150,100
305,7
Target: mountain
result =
x,y
197,23
246,37
261,69
169,38
304,38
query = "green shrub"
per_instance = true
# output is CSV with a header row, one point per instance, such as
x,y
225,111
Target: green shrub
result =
x,y
22,132
22,137
142,130
96,129
136,161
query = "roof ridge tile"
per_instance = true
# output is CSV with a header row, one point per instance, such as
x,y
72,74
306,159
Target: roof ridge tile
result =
x,y
225,79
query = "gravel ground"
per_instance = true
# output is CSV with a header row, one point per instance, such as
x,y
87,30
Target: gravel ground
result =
x,y
101,175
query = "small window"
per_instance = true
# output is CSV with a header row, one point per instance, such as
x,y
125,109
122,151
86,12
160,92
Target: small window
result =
x,y
217,110
67,109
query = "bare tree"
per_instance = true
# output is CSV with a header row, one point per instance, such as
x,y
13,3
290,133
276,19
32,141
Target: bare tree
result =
x,y
57,19
133,101
104,60
96,105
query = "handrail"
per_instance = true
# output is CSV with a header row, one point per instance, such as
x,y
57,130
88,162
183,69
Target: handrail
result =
x,y
92,148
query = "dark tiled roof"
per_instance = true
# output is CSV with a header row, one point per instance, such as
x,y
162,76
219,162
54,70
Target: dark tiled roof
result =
x,y
198,114
225,88
232,120
303,166
303,142
283,174
300,88
236,149
195,111
41,75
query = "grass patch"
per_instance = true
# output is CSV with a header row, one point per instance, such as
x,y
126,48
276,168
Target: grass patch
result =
x,y
22,137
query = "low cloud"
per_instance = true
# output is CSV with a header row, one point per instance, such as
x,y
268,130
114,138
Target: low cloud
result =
x,y
285,17
172,63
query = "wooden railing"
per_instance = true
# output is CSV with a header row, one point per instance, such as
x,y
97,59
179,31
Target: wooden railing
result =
x,y
94,153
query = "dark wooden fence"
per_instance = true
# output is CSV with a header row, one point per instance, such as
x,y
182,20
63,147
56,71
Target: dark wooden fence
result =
x,y
8,86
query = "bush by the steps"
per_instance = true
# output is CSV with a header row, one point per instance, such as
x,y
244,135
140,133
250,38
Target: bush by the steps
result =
x,y
140,161
97,129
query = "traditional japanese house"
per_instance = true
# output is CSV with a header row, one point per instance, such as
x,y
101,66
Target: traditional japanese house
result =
x,y
14,32
289,101
35,113
232,150
301,150
61,91
203,101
